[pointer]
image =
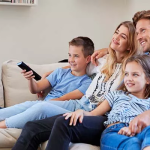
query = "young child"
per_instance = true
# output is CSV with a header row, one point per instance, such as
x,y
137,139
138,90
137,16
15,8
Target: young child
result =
x,y
66,84
124,105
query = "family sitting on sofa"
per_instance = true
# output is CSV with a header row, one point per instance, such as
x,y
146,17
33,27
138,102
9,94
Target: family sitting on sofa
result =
x,y
125,113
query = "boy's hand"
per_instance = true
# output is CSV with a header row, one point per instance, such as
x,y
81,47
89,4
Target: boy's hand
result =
x,y
78,114
40,94
28,75
98,54
125,131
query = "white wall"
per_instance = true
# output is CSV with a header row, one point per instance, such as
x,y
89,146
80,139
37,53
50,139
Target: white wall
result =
x,y
137,5
41,34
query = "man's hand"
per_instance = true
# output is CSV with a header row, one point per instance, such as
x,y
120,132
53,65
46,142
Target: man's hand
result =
x,y
140,122
98,54
125,131
78,114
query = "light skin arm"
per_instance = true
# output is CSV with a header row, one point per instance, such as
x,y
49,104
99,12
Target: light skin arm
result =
x,y
136,125
35,86
98,54
140,122
41,93
79,114
76,94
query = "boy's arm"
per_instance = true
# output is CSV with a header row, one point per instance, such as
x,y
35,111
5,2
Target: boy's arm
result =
x,y
41,93
35,86
76,94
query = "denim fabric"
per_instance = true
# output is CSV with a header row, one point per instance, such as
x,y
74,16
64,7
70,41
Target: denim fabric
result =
x,y
111,140
16,116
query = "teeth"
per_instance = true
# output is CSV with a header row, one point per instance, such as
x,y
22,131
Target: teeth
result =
x,y
142,43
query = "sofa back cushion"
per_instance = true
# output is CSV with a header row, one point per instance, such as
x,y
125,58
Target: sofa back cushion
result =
x,y
16,86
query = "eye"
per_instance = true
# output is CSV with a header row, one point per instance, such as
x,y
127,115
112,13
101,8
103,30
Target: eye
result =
x,y
126,74
123,37
69,55
143,30
135,74
76,55
116,32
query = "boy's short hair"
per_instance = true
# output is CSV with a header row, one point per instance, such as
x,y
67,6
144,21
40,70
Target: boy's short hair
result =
x,y
145,14
87,43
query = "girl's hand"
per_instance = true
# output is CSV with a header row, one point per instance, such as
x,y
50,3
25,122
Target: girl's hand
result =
x,y
125,131
78,114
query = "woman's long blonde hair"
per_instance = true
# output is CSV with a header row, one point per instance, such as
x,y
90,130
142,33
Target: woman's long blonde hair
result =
x,y
111,62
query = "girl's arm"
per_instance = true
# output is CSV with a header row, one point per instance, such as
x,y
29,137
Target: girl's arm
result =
x,y
79,114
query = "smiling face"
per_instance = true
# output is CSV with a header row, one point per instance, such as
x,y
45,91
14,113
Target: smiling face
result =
x,y
78,62
135,79
119,41
143,34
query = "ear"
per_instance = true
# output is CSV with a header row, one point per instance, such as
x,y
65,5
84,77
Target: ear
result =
x,y
88,59
147,81
128,49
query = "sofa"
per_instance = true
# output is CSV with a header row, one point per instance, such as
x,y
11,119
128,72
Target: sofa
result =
x,y
13,90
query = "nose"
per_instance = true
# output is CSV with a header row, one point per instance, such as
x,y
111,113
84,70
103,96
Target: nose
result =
x,y
71,59
129,77
117,37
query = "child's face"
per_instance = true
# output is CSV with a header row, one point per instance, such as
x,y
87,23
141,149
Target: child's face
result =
x,y
119,41
76,59
135,79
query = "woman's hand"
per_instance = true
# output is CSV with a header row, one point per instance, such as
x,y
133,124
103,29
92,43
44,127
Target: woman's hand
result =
x,y
74,116
125,131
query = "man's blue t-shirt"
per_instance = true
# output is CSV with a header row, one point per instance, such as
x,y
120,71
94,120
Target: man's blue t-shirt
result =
x,y
63,82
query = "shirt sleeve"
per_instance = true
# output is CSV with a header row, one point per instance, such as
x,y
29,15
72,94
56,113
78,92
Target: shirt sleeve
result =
x,y
84,86
111,96
53,77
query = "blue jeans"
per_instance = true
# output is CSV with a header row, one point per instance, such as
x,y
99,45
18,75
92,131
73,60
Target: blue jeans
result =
x,y
111,140
16,116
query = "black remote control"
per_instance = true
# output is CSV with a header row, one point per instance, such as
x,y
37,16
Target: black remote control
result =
x,y
23,66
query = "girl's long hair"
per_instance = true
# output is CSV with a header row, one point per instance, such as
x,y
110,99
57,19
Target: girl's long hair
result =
x,y
111,62
144,62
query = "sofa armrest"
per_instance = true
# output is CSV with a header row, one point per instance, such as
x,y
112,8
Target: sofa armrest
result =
x,y
16,86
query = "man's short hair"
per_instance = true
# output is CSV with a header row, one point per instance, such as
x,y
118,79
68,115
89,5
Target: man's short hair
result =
x,y
85,42
145,14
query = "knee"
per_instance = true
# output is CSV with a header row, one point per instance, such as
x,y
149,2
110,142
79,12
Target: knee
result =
x,y
29,126
60,122
40,107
